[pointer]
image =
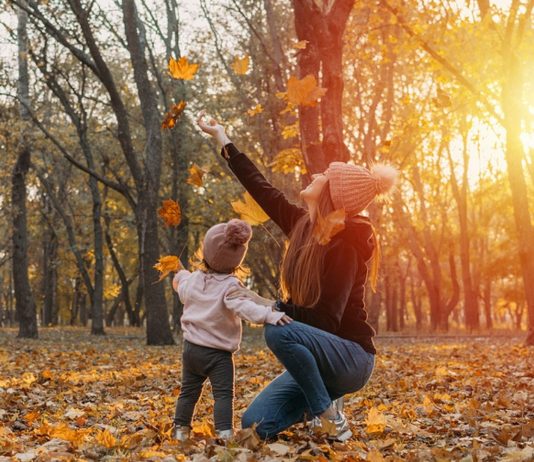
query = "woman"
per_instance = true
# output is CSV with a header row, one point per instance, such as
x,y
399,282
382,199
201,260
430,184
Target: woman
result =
x,y
328,351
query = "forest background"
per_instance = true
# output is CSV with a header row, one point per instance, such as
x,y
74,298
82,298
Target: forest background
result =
x,y
91,148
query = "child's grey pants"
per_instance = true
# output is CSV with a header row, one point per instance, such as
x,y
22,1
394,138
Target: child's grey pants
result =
x,y
198,364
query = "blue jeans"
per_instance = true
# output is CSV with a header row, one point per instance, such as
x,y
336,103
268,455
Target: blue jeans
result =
x,y
320,367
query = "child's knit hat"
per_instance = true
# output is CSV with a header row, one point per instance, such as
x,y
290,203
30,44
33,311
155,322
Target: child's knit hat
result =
x,y
353,187
225,245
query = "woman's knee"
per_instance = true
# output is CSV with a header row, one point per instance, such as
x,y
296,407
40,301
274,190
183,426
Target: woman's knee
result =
x,y
274,335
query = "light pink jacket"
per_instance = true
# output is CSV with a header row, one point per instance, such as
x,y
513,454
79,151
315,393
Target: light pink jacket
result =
x,y
210,318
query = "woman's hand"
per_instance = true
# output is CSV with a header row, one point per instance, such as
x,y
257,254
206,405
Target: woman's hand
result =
x,y
285,319
213,129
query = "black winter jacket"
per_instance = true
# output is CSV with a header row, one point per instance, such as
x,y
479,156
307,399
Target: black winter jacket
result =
x,y
341,307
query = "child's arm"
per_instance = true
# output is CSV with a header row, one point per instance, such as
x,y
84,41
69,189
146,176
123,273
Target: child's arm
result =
x,y
257,313
178,283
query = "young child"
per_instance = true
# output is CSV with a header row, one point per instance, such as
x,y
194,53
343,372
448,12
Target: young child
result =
x,y
211,325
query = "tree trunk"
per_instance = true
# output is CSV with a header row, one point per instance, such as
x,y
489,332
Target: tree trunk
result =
x,y
50,247
512,109
158,328
460,195
323,29
25,303
487,304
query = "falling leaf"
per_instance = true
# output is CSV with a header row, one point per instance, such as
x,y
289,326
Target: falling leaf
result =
x,y
301,45
181,68
249,210
195,175
240,65
170,212
304,92
288,160
376,421
167,264
173,115
326,228
290,131
106,439
258,109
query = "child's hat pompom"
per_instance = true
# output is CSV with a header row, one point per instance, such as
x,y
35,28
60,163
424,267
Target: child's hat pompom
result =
x,y
386,177
238,232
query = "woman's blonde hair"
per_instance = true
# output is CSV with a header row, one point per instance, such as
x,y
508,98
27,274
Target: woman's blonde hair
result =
x,y
303,260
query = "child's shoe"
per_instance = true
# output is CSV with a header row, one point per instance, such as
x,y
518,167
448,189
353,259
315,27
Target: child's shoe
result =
x,y
225,434
181,433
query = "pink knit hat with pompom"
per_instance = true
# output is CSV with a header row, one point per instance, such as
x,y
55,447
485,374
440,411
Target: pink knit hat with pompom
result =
x,y
353,187
226,244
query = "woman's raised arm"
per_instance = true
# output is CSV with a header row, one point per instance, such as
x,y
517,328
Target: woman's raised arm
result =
x,y
271,200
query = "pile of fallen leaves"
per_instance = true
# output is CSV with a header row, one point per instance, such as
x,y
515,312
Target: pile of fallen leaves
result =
x,y
69,396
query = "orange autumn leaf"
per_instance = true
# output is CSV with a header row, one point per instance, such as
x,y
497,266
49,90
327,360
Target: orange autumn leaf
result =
x,y
255,110
204,428
166,264
170,212
173,115
182,69
301,45
249,210
376,421
106,439
240,65
304,92
195,175
326,228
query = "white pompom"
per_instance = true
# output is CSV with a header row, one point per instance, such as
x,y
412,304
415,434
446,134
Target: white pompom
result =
x,y
386,177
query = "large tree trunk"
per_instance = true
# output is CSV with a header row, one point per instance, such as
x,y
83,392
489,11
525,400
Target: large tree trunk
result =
x,y
25,304
158,328
512,109
323,29
460,195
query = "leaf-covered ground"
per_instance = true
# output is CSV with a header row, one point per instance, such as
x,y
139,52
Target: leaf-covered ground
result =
x,y
70,396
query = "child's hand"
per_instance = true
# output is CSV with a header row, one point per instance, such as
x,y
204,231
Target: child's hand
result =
x,y
285,319
213,128
242,292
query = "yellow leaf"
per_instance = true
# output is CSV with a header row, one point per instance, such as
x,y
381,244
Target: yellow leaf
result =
x,y
255,110
326,228
167,264
374,456
204,428
290,131
376,421
170,212
240,65
112,291
304,92
288,160
182,69
195,175
249,210
301,45
151,454
106,439
173,115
